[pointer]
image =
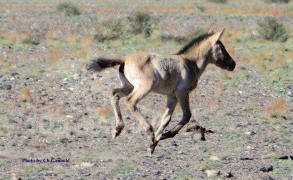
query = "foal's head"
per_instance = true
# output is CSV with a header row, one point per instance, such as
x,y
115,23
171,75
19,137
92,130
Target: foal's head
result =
x,y
218,54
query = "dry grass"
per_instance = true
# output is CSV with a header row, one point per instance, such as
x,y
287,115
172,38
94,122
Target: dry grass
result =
x,y
71,37
104,112
25,95
24,7
278,105
89,40
248,11
13,36
54,57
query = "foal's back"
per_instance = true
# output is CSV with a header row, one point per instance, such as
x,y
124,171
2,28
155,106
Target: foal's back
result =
x,y
163,71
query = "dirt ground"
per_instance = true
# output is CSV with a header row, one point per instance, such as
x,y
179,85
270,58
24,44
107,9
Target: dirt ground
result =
x,y
58,124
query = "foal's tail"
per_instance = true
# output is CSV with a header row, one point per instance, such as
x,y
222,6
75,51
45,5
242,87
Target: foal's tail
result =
x,y
102,63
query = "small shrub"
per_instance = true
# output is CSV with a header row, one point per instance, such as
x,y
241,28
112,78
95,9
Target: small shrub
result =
x,y
218,1
272,30
111,29
142,23
277,1
68,9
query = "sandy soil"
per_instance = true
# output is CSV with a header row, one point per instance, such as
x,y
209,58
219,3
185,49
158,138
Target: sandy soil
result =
x,y
70,118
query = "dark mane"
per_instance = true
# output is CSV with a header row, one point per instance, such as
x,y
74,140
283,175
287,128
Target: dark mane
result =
x,y
195,42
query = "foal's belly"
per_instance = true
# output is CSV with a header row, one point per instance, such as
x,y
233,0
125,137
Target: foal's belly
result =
x,y
163,89
165,85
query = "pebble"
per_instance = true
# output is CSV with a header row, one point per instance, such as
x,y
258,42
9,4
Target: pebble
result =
x,y
215,158
250,133
180,152
212,173
249,147
86,164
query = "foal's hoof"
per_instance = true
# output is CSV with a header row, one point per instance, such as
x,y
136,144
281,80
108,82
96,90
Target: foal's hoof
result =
x,y
153,147
117,131
167,135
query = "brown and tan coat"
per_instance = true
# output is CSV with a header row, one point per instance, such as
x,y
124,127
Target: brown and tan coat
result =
x,y
172,75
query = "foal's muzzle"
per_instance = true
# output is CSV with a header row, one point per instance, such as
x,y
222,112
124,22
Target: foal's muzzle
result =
x,y
231,65
228,64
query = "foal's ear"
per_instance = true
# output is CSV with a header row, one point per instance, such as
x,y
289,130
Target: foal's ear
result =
x,y
217,36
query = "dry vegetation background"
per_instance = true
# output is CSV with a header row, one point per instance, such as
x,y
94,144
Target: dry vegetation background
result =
x,y
51,107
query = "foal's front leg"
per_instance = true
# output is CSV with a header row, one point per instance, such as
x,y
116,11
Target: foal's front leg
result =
x,y
171,104
184,104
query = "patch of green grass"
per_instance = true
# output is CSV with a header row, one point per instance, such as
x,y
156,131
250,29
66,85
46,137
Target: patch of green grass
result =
x,y
232,139
4,161
285,166
54,140
212,165
130,35
3,131
217,123
68,9
277,1
61,44
218,1
230,113
172,39
92,157
126,167
140,149
52,126
207,152
250,108
273,119
230,157
102,152
233,80
230,135
272,59
33,169
204,118
282,134
182,174
34,131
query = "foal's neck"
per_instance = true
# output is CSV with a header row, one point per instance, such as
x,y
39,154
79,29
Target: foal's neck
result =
x,y
200,59
202,65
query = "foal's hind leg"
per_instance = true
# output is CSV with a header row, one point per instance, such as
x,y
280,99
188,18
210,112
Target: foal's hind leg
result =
x,y
171,104
116,94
